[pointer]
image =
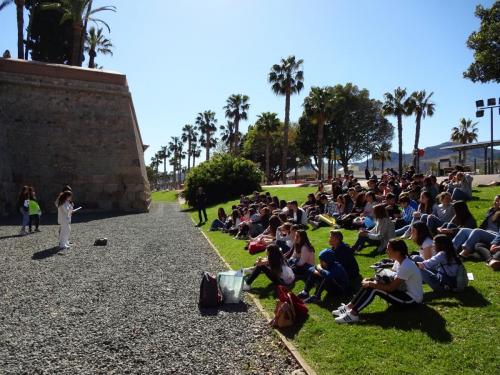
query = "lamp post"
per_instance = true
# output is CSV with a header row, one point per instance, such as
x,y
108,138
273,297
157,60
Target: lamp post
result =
x,y
297,159
480,107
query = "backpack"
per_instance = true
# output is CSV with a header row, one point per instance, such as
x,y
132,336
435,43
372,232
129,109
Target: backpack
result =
x,y
210,295
462,279
289,308
454,283
255,247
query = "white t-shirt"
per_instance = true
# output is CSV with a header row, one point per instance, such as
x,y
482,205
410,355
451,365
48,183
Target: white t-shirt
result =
x,y
409,272
427,242
287,275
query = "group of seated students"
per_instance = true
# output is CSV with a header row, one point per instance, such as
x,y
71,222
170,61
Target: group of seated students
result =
x,y
384,213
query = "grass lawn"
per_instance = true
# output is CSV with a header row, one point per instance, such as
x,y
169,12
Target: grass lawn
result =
x,y
165,196
449,333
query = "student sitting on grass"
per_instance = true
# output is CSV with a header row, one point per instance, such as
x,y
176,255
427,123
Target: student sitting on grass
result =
x,y
490,252
269,234
407,213
462,219
440,271
441,213
220,222
380,234
283,237
407,277
303,253
328,274
421,236
274,267
424,207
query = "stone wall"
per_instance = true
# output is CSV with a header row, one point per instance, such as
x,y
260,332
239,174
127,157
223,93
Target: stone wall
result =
x,y
65,125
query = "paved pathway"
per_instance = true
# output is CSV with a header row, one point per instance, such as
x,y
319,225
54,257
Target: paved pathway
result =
x,y
130,307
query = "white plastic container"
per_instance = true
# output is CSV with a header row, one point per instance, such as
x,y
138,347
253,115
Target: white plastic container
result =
x,y
230,285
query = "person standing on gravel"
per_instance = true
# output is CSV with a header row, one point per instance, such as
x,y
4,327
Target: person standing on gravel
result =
x,y
22,204
64,211
201,205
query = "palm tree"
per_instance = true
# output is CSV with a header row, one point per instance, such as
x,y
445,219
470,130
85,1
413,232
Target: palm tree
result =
x,y
465,133
382,153
286,79
207,124
175,150
20,24
420,105
236,109
97,43
190,136
227,135
79,12
317,107
397,105
195,152
267,123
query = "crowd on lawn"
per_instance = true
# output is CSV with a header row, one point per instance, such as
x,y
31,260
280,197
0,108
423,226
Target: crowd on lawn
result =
x,y
413,206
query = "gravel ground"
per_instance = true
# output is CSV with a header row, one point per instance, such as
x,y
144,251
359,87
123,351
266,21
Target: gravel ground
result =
x,y
130,307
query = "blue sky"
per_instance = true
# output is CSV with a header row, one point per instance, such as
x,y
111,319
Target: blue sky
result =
x,y
184,57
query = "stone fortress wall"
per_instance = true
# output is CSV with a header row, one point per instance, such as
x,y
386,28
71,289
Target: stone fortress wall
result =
x,y
64,125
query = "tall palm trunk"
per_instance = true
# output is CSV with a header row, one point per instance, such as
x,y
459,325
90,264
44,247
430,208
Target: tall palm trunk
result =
x,y
83,33
20,27
189,153
284,156
77,37
28,33
194,160
416,158
268,146
207,147
400,143
236,149
321,125
92,55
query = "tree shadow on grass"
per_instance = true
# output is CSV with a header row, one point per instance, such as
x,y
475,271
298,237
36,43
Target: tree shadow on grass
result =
x,y
229,308
420,317
470,297
46,253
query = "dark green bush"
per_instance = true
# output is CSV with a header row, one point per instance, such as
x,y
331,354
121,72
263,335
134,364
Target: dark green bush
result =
x,y
223,177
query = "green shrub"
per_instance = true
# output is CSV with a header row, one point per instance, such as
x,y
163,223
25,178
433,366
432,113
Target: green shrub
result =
x,y
223,178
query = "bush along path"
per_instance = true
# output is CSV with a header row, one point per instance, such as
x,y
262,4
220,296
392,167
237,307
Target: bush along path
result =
x,y
129,307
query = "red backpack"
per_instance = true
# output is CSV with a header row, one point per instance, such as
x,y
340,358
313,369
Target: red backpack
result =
x,y
210,295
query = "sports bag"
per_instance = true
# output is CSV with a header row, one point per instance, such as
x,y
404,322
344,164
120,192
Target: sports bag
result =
x,y
255,247
454,283
210,295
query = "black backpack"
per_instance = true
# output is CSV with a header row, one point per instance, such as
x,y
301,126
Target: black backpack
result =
x,y
210,295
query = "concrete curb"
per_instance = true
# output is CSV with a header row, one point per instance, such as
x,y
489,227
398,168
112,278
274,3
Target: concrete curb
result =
x,y
288,344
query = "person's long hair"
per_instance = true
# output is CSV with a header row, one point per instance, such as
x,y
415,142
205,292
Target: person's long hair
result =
x,y
275,258
274,223
303,240
426,208
422,232
23,195
221,214
444,243
462,213
62,197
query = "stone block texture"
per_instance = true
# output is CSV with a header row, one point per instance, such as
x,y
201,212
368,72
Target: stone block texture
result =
x,y
64,125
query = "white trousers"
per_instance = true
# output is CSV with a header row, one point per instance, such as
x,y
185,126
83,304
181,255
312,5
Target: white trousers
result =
x,y
64,232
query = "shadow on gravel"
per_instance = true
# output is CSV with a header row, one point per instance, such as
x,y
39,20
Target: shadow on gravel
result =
x,y
470,297
230,308
46,253
421,317
12,236
79,217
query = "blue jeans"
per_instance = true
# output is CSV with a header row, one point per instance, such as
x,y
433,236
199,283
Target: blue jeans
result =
x,y
467,238
26,218
432,279
360,243
216,224
399,232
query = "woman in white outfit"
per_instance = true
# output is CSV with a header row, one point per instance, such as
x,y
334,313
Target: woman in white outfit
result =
x,y
64,211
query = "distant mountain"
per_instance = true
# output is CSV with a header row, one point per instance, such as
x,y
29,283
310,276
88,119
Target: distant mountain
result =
x,y
432,155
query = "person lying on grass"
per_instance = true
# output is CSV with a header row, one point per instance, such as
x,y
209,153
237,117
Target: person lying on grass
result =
x,y
404,289
440,271
338,271
274,266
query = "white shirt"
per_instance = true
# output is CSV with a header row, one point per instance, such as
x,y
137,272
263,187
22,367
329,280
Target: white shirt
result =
x,y
409,272
64,213
427,242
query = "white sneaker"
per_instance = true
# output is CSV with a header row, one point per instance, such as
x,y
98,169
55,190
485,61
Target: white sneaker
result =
x,y
348,317
341,310
246,287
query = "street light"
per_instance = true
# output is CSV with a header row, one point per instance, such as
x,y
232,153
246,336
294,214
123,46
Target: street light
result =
x,y
297,159
480,107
